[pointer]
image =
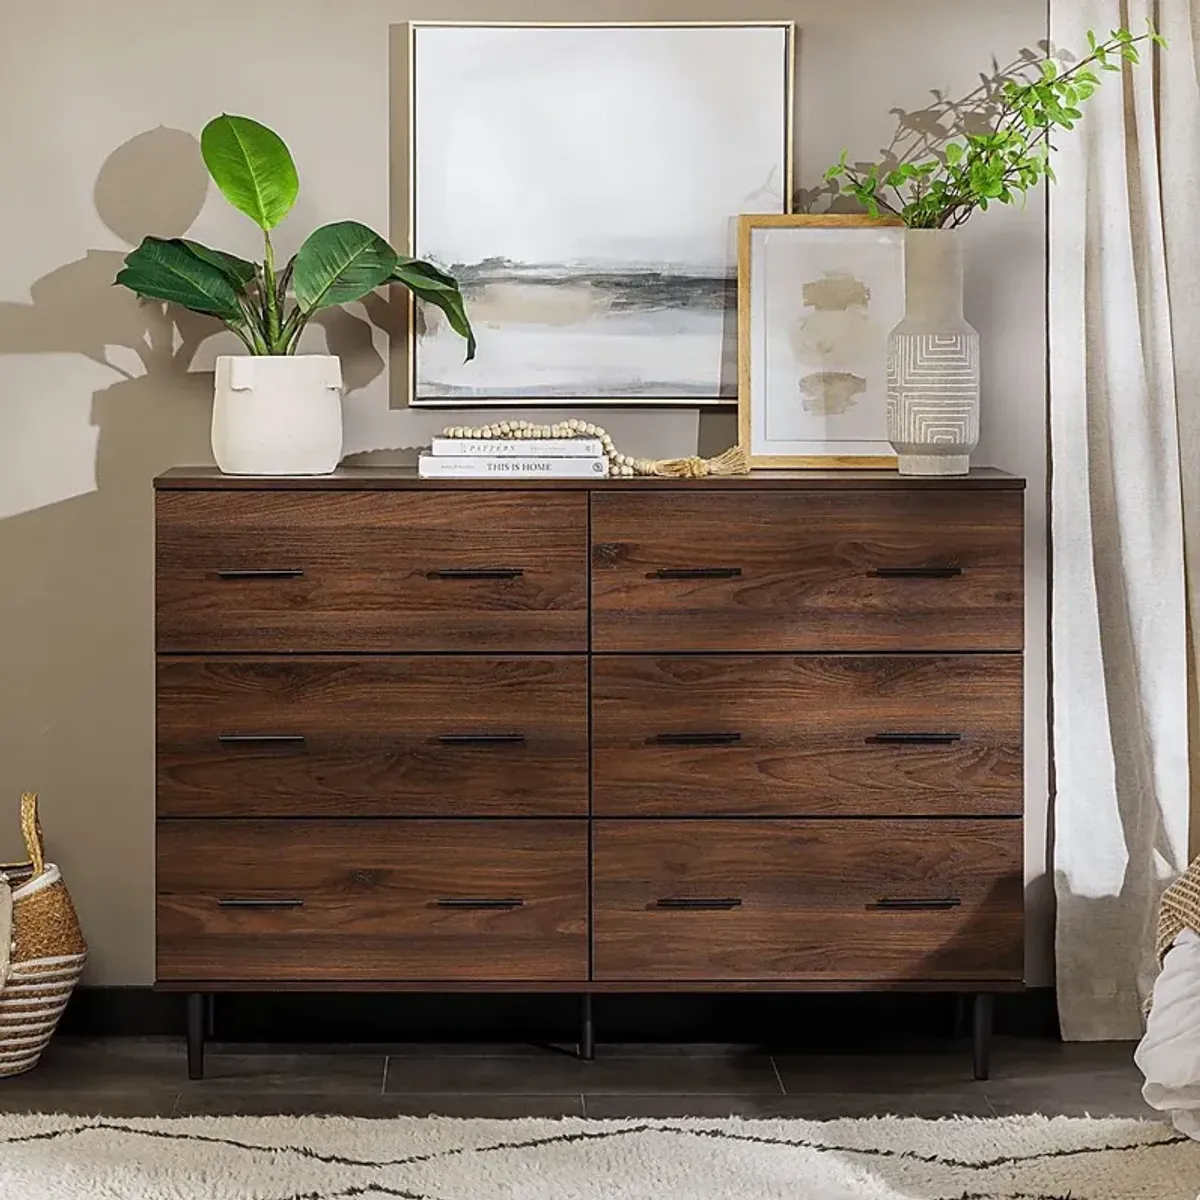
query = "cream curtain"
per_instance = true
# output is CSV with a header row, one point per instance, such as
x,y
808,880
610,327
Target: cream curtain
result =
x,y
1125,369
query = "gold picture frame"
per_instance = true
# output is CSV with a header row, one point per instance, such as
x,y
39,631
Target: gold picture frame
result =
x,y
405,139
749,348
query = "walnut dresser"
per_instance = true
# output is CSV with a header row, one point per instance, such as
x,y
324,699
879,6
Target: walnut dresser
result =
x,y
755,733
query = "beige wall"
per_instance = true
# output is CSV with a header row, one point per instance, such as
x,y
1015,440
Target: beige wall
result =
x,y
96,395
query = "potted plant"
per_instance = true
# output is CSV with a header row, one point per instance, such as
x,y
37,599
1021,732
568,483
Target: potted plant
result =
x,y
933,354
277,412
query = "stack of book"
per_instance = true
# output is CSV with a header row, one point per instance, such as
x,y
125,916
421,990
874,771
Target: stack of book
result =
x,y
514,458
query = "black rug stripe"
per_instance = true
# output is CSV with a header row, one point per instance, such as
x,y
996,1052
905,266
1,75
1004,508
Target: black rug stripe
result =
x,y
581,1136
933,1159
1000,1196
381,1189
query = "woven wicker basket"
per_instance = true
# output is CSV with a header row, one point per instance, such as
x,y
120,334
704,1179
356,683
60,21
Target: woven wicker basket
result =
x,y
42,950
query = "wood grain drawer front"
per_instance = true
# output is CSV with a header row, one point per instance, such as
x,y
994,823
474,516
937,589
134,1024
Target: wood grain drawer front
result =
x,y
834,735
371,571
372,900
824,900
410,736
882,570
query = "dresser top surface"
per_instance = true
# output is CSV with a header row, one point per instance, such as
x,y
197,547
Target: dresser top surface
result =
x,y
406,479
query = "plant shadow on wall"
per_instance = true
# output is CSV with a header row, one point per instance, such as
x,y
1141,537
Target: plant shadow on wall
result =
x,y
77,605
77,601
925,132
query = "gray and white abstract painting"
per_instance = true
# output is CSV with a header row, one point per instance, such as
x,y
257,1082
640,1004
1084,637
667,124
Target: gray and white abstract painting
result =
x,y
583,183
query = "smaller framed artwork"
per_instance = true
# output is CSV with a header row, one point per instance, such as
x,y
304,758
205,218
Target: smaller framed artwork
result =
x,y
817,298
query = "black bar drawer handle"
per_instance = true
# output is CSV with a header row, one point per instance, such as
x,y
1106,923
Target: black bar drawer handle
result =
x,y
477,573
908,905
253,739
481,739
914,739
254,902
261,573
697,739
696,573
478,902
917,572
701,904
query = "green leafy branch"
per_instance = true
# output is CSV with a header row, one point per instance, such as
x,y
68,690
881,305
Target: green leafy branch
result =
x,y
1001,164
269,308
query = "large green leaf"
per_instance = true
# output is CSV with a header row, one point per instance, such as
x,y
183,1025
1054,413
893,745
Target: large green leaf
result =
x,y
435,287
420,270
167,270
252,167
238,271
340,263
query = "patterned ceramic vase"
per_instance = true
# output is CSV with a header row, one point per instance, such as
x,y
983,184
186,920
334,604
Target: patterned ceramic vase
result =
x,y
933,362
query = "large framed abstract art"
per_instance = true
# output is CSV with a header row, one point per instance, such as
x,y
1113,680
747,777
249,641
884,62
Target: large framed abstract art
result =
x,y
582,183
818,297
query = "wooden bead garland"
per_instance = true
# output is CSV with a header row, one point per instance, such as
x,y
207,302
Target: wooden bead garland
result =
x,y
732,462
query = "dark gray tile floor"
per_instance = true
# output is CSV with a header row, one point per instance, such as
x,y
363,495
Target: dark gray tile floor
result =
x,y
147,1077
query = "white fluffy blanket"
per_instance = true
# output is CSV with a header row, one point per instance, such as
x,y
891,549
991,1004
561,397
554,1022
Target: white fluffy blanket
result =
x,y
1169,1055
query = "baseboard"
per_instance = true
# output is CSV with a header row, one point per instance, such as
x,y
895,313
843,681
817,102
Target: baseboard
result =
x,y
781,1020
122,1012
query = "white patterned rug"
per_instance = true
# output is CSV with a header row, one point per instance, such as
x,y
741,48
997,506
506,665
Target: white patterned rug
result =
x,y
315,1158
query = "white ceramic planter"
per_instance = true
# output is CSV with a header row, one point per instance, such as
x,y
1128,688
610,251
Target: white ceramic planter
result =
x,y
277,414
933,362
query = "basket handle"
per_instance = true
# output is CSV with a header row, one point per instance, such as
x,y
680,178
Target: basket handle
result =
x,y
31,829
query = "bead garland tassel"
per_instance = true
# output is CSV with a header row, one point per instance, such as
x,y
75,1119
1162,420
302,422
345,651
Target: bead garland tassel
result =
x,y
732,462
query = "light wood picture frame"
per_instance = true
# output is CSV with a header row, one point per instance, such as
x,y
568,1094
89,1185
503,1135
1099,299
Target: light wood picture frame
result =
x,y
817,298
602,267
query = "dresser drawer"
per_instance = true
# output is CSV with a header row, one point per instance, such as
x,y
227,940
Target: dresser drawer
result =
x,y
242,901
829,735
289,571
825,900
414,736
809,570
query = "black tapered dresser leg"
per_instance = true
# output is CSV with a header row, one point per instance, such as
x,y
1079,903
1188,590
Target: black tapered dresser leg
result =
x,y
210,1016
982,1034
587,1029
197,1013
